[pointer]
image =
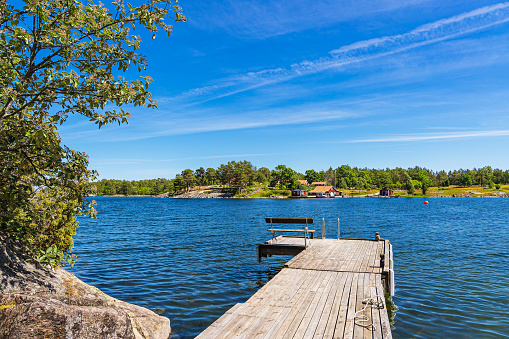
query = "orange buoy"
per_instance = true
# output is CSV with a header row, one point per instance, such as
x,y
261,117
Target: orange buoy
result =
x,y
425,202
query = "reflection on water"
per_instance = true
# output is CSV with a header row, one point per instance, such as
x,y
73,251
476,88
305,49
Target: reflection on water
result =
x,y
191,260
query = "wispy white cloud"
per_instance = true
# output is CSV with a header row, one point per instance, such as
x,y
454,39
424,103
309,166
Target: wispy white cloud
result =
x,y
426,137
260,19
358,52
103,162
208,120
464,23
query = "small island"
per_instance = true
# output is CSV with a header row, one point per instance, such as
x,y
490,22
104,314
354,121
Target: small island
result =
x,y
243,180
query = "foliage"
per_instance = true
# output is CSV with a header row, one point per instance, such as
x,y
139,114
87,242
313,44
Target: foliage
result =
x,y
238,175
409,186
312,176
465,179
188,179
343,184
384,180
417,184
286,177
425,180
139,187
43,186
210,176
61,57
64,53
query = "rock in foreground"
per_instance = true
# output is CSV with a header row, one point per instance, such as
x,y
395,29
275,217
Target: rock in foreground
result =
x,y
37,302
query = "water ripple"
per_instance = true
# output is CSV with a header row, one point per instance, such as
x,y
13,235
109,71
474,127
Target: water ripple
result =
x,y
192,259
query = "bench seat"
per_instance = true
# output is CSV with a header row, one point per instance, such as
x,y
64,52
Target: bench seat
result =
x,y
282,230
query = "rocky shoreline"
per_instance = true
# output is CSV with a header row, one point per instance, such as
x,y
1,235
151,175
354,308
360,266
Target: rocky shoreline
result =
x,y
39,302
217,194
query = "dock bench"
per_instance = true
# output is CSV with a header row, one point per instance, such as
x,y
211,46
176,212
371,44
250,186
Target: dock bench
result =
x,y
299,221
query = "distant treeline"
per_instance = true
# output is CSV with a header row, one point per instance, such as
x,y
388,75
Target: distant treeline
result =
x,y
237,175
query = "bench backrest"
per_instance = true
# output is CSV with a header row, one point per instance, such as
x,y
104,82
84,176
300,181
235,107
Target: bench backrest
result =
x,y
305,221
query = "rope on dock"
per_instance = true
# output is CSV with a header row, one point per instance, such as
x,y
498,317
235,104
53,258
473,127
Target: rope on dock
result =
x,y
363,317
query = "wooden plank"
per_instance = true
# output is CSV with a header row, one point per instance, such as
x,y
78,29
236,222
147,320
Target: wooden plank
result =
x,y
289,286
377,268
219,325
353,265
367,265
384,315
319,320
282,320
347,311
316,306
295,315
307,308
349,256
215,324
375,311
289,220
251,309
327,324
387,256
358,325
289,230
338,327
346,256
368,328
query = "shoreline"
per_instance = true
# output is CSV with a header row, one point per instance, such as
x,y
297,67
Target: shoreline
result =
x,y
203,196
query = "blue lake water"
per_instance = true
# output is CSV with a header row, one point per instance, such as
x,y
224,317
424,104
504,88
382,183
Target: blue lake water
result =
x,y
192,259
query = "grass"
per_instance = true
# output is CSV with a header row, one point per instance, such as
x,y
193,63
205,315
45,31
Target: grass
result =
x,y
472,191
266,192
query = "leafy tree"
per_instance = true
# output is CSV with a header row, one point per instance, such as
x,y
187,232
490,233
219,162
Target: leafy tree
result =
x,y
366,177
188,179
200,176
43,185
64,53
442,179
260,177
266,173
454,177
312,176
343,184
384,180
60,57
178,183
409,186
425,180
417,184
485,175
210,176
329,176
286,177
361,183
240,176
465,179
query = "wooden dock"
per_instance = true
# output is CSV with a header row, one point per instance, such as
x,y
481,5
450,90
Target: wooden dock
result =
x,y
331,289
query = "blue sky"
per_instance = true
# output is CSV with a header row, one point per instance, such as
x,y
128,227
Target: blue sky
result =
x,y
316,84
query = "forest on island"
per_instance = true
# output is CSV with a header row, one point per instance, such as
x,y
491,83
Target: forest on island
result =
x,y
238,175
